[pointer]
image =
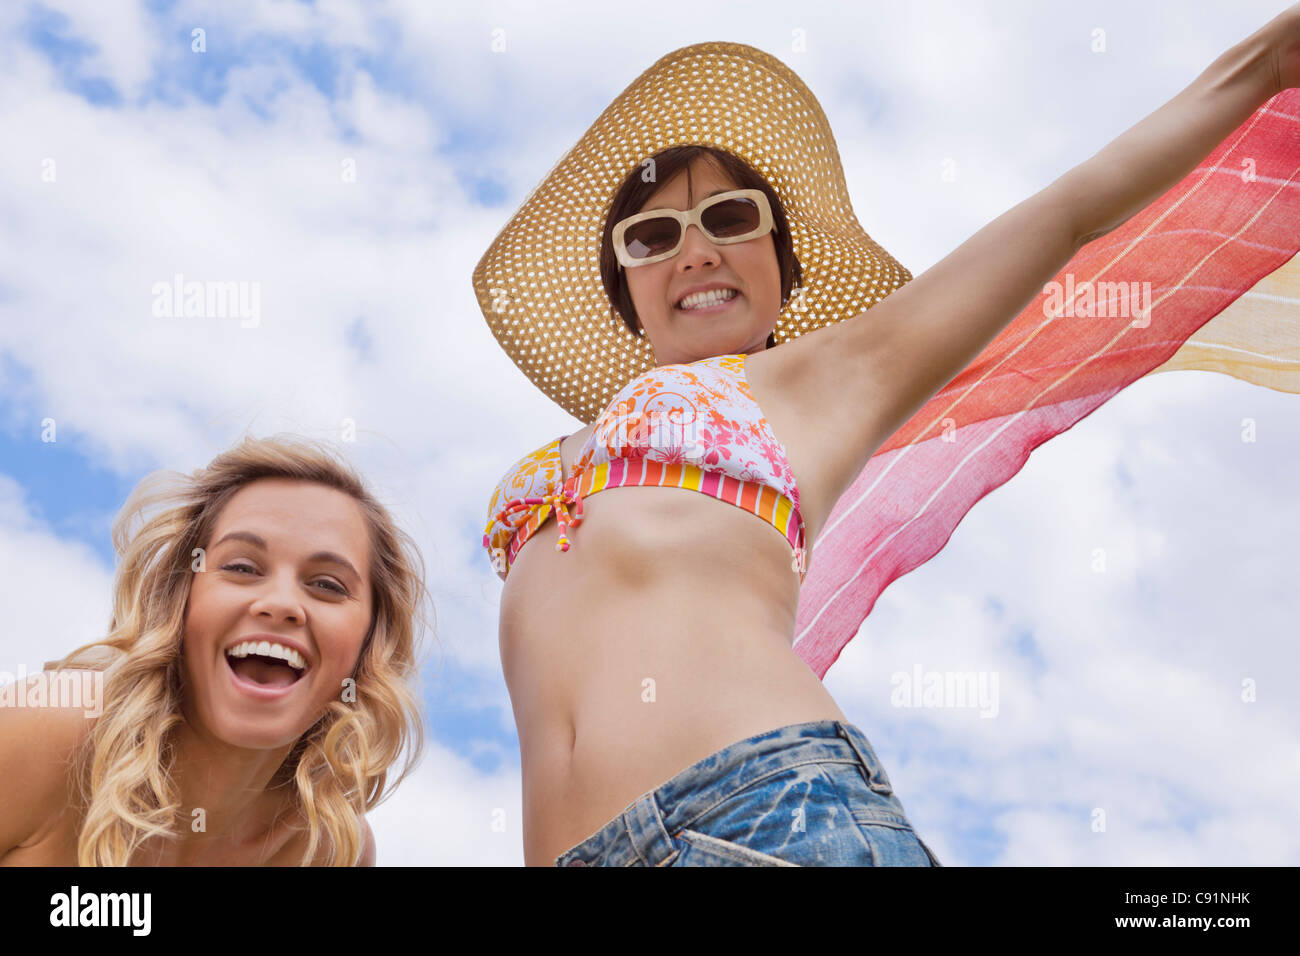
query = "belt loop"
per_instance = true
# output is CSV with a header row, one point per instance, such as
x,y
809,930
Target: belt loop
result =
x,y
645,827
872,769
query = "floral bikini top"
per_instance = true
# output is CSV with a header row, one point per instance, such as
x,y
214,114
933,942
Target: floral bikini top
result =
x,y
696,427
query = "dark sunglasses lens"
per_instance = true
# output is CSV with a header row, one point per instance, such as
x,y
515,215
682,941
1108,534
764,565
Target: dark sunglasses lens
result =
x,y
731,217
650,237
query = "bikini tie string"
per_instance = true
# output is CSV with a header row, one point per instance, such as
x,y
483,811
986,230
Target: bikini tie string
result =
x,y
557,500
563,518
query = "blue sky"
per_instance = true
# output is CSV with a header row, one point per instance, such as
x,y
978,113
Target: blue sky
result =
x,y
225,165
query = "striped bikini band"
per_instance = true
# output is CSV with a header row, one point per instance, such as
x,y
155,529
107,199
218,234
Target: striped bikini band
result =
x,y
755,497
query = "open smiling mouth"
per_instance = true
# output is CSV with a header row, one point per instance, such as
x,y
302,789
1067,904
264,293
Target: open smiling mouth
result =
x,y
708,303
259,665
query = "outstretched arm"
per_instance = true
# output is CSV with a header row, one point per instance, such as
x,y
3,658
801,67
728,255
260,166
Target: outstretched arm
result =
x,y
1150,158
864,378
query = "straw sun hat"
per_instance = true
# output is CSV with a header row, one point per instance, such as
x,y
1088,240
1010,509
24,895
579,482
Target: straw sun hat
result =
x,y
539,283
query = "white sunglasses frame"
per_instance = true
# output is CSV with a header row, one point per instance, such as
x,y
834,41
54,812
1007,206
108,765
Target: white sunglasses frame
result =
x,y
689,218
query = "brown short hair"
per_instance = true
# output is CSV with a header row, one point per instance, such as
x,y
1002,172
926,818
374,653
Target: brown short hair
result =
x,y
633,193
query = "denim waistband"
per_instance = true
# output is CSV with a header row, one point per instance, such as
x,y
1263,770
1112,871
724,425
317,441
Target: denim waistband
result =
x,y
642,832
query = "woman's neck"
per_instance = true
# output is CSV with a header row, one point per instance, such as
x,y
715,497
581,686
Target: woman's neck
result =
x,y
229,796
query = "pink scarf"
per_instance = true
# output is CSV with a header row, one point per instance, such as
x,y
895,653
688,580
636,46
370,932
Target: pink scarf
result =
x,y
1219,251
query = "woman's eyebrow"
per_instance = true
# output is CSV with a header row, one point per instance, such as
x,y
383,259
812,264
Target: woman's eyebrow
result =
x,y
257,541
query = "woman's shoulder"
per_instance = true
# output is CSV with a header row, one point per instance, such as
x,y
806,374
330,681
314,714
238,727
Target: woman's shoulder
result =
x,y
39,739
52,712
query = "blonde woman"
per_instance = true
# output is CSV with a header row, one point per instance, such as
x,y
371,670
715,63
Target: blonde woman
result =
x,y
257,685
690,283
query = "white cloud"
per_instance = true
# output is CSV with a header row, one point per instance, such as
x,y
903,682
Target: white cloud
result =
x,y
447,813
54,590
123,41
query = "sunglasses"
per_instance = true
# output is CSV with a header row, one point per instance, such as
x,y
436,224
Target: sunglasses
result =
x,y
736,216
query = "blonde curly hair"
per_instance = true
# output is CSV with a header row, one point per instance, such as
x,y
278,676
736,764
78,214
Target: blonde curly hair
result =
x,y
341,765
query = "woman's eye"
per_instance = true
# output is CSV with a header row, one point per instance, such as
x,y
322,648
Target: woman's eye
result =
x,y
240,566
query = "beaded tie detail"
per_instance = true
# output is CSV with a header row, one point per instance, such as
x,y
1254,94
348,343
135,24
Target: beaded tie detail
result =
x,y
556,500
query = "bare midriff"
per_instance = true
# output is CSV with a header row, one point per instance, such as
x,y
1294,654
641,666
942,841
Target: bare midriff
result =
x,y
661,636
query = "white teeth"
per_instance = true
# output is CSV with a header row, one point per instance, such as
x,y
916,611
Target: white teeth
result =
x,y
712,297
267,649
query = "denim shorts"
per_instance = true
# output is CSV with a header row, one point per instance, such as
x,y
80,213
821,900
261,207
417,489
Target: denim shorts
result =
x,y
810,794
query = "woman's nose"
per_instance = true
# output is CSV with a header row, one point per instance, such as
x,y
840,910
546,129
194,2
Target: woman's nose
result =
x,y
697,248
279,598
